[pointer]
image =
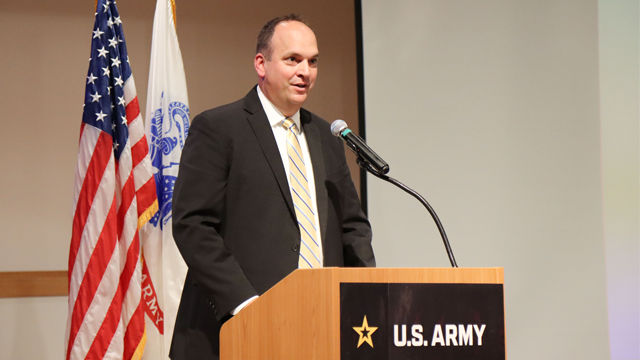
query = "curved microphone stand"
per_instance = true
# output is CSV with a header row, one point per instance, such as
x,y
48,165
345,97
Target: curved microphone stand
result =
x,y
366,166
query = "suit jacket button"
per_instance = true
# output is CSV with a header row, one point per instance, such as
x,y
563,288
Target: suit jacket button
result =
x,y
295,247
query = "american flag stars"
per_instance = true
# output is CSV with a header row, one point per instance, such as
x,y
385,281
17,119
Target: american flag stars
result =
x,y
95,97
104,98
100,116
102,52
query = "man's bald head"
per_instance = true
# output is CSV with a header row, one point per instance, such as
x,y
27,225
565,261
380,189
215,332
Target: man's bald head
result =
x,y
266,33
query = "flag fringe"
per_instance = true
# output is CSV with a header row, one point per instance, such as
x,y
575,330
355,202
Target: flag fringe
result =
x,y
147,214
137,355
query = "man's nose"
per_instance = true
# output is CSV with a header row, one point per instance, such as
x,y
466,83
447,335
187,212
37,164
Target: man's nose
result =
x,y
304,69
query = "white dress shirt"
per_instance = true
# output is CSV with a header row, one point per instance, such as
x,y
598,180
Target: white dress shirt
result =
x,y
280,133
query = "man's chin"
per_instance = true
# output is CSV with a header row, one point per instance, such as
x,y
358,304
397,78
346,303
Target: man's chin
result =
x,y
298,99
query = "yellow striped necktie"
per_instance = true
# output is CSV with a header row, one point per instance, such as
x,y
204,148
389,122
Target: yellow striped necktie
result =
x,y
305,211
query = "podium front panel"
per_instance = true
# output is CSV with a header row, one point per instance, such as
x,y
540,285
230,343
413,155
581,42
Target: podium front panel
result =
x,y
384,321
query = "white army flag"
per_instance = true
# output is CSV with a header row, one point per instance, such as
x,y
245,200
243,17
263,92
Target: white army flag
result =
x,y
166,128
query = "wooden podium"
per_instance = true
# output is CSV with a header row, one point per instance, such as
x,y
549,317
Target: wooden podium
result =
x,y
300,317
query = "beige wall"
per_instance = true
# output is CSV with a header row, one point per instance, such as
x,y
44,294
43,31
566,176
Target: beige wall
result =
x,y
45,50
42,70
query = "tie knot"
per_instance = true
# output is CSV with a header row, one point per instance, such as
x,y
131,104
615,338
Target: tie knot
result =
x,y
289,124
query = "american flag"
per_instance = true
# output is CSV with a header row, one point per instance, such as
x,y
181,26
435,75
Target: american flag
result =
x,y
114,196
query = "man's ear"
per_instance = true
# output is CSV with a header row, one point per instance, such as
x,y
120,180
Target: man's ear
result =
x,y
259,63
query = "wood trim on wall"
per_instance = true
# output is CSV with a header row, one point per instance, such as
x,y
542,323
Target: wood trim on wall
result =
x,y
33,283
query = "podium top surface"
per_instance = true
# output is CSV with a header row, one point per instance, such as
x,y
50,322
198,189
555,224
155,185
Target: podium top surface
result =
x,y
493,275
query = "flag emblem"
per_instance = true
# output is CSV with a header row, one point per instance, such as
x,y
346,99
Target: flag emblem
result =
x,y
168,132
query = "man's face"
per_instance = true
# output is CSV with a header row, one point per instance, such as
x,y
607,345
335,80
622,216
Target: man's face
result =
x,y
288,76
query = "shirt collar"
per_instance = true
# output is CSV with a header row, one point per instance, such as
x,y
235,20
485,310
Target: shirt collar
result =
x,y
274,115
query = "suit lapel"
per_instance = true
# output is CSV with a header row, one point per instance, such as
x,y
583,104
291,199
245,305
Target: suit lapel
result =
x,y
319,174
260,125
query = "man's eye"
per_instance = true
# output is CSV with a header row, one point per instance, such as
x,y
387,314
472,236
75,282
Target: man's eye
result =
x,y
313,61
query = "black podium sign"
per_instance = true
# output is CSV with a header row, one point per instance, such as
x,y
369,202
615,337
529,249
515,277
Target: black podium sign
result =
x,y
421,321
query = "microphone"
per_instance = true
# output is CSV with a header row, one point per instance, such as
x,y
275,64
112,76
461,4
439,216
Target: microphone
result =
x,y
371,162
358,146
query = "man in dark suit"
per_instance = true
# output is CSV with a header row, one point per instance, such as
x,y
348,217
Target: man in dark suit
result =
x,y
236,217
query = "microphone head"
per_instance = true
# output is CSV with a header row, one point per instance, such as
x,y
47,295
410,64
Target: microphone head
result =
x,y
337,127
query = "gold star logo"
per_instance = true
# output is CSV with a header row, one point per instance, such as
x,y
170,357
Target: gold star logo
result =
x,y
365,332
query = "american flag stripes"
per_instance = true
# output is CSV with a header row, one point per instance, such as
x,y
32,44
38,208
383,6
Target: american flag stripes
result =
x,y
114,196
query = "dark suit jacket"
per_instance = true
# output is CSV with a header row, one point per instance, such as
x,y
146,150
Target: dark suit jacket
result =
x,y
234,222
